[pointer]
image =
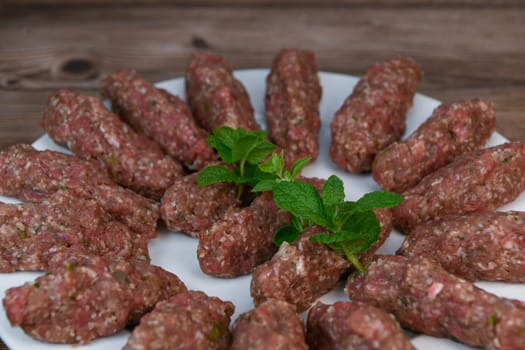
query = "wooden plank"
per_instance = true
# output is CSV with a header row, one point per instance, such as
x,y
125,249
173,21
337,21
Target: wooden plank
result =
x,y
465,52
280,3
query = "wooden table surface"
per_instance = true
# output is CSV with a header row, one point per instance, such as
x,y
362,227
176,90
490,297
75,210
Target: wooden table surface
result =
x,y
467,48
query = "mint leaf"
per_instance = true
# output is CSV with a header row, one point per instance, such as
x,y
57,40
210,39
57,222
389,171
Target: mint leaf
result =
x,y
214,174
223,139
339,214
297,167
358,245
259,133
235,145
364,223
333,191
225,134
248,148
223,150
343,211
239,132
274,165
301,199
252,149
264,185
329,238
253,174
379,199
358,233
299,223
335,247
354,242
288,233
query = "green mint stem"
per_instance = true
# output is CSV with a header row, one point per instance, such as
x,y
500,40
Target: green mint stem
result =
x,y
240,190
240,187
241,167
351,257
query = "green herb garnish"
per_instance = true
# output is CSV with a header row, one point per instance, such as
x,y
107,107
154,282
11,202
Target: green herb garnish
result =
x,y
69,265
22,234
216,333
493,320
121,276
237,146
351,227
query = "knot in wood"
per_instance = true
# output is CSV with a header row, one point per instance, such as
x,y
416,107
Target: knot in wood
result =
x,y
200,43
75,68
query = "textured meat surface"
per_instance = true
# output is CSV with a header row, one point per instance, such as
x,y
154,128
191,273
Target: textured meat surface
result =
x,y
87,128
216,98
242,240
427,299
453,129
139,213
480,181
148,284
86,297
273,325
302,271
67,222
298,273
34,175
479,246
293,93
189,209
162,117
190,320
374,115
353,325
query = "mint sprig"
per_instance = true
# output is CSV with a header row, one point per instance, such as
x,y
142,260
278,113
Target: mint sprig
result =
x,y
237,146
351,227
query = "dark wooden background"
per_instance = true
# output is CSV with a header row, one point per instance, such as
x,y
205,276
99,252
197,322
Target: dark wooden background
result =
x,y
468,48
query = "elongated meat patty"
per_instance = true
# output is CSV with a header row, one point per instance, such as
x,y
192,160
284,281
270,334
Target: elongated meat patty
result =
x,y
87,128
273,325
215,96
162,117
187,208
33,175
427,299
242,240
353,325
293,93
298,273
453,129
68,221
374,115
87,297
480,181
485,246
303,271
186,321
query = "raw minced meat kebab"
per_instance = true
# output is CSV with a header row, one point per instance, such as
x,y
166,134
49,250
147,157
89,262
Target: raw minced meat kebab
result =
x,y
87,218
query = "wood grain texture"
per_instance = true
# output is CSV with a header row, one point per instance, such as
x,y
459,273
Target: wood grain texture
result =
x,y
465,51
315,3
469,48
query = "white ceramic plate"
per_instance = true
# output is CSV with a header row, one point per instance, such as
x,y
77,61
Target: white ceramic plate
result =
x,y
177,252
